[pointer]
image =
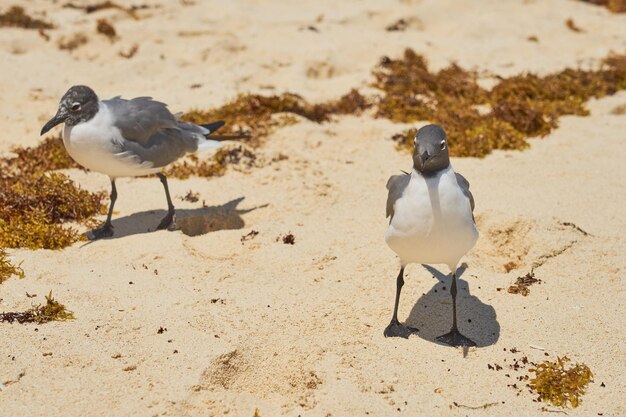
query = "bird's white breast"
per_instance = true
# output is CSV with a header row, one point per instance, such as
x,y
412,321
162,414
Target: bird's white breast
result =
x,y
432,221
94,145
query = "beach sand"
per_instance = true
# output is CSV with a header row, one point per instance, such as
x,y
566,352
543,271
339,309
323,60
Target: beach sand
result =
x,y
298,329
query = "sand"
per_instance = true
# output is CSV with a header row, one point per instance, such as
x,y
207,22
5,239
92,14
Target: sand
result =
x,y
298,329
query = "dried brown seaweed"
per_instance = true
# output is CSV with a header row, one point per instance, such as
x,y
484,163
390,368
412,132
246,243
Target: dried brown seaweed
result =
x,y
616,6
519,107
131,11
105,28
72,42
48,155
253,113
35,203
34,208
571,25
17,17
522,284
192,165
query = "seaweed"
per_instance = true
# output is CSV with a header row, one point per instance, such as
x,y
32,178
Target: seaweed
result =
x,y
17,17
522,283
288,239
616,6
105,28
253,113
399,25
73,42
532,104
413,93
518,107
571,25
35,203
40,314
251,235
191,196
131,11
560,386
48,155
7,269
33,208
192,165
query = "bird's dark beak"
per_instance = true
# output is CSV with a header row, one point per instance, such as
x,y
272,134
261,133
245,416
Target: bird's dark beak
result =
x,y
57,119
424,157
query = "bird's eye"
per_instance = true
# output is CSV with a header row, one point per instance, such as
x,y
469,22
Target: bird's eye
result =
x,y
75,107
443,145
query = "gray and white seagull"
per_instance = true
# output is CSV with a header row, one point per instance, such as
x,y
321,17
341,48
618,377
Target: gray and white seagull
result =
x,y
432,220
126,138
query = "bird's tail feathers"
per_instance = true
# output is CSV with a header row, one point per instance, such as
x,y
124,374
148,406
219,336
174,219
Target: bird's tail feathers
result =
x,y
212,127
208,144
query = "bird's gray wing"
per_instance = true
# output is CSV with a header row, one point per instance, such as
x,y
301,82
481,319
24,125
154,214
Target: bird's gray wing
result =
x,y
152,135
140,118
465,185
162,148
396,186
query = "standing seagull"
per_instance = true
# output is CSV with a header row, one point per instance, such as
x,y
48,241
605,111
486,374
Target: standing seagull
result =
x,y
126,138
432,220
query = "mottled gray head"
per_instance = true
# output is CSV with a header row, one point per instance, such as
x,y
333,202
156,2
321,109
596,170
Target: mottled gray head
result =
x,y
431,150
78,105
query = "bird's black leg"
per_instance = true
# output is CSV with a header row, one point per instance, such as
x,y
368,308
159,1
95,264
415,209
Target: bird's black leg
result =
x,y
168,220
454,337
107,229
395,328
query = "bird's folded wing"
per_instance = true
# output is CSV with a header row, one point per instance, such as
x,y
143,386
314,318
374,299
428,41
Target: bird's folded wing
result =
x,y
465,185
162,148
140,118
396,186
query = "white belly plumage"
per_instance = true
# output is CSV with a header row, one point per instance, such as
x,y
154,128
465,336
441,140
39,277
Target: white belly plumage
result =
x,y
93,145
432,221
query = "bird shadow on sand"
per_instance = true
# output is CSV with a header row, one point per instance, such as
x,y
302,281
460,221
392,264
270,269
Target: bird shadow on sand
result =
x,y
192,222
432,313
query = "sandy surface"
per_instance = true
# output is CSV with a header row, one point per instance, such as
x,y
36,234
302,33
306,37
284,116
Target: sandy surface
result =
x,y
297,329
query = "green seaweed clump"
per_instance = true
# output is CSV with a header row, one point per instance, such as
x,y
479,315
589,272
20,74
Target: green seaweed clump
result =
x,y
7,269
40,314
559,386
478,121
17,17
33,208
252,113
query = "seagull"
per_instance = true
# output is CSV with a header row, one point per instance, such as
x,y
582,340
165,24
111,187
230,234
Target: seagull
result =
x,y
431,220
127,138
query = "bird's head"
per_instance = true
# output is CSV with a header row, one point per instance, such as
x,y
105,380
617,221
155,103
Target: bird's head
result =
x,y
431,150
78,105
